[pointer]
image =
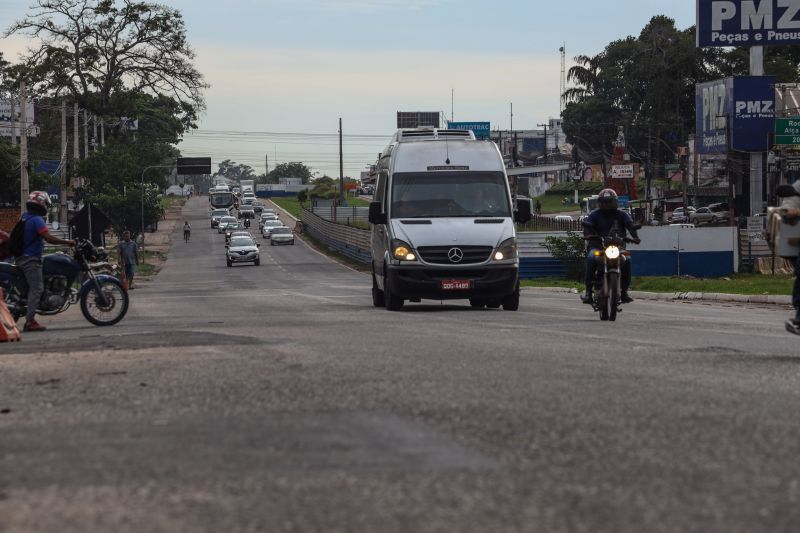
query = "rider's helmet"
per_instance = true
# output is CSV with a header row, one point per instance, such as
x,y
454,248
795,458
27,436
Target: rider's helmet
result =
x,y
38,203
607,200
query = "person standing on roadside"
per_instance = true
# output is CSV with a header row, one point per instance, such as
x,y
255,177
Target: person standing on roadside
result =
x,y
128,257
35,234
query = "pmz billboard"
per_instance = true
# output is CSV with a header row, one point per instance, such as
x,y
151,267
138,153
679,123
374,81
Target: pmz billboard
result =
x,y
482,130
742,106
748,22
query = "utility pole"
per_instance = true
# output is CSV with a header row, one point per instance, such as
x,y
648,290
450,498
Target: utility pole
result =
x,y
266,161
545,140
85,135
94,132
102,132
756,158
63,211
23,147
512,116
452,105
13,121
76,150
341,164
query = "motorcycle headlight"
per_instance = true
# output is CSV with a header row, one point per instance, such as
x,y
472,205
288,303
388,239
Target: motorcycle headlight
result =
x,y
612,252
402,251
506,250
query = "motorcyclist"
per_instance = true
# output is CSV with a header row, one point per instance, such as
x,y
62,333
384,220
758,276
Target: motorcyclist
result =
x,y
30,261
607,220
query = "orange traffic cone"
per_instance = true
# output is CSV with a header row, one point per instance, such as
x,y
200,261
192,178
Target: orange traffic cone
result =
x,y
8,326
123,279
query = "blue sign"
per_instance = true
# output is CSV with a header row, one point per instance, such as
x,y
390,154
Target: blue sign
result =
x,y
742,107
748,22
480,129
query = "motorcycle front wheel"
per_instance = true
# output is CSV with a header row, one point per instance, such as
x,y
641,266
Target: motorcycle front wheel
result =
x,y
109,312
613,295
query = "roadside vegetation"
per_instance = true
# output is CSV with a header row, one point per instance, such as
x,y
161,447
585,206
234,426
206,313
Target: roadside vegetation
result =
x,y
749,284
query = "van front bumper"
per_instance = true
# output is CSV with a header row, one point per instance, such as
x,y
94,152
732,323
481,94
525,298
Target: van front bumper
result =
x,y
425,282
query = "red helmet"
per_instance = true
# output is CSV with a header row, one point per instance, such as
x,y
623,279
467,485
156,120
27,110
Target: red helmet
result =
x,y
607,200
39,198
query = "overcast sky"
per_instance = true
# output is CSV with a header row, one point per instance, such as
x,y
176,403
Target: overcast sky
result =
x,y
296,66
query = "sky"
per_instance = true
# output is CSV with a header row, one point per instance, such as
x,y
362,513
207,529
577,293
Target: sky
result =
x,y
280,70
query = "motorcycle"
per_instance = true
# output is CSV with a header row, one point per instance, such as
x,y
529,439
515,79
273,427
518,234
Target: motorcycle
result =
x,y
103,300
607,283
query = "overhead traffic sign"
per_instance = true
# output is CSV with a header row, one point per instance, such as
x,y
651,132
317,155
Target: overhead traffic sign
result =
x,y
787,131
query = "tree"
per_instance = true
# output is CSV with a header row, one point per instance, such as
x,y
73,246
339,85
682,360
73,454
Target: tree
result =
x,y
93,49
119,166
291,170
125,209
236,171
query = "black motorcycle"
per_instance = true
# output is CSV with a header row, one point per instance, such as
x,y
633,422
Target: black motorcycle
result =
x,y
607,283
104,301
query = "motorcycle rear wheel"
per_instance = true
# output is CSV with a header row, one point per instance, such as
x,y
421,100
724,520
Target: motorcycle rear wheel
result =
x,y
116,303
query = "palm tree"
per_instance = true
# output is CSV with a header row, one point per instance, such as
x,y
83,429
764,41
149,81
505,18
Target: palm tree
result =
x,y
586,77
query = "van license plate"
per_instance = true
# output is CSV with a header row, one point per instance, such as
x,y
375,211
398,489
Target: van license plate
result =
x,y
456,284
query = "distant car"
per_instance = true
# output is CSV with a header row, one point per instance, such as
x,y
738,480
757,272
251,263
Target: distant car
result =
x,y
704,214
258,207
242,249
563,217
230,228
721,210
682,225
265,217
224,221
217,214
246,211
679,215
282,235
268,226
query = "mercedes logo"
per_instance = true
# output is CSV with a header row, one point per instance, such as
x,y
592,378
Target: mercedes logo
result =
x,y
455,255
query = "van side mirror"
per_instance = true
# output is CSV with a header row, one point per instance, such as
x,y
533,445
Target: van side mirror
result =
x,y
524,211
376,216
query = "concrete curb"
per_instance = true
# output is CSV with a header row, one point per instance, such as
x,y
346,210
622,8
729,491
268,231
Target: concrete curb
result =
x,y
689,296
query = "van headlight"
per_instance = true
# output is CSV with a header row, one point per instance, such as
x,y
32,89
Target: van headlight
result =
x,y
612,252
402,251
506,250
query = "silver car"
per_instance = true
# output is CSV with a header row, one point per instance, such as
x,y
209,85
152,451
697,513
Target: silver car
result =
x,y
242,249
269,225
282,235
224,221
704,214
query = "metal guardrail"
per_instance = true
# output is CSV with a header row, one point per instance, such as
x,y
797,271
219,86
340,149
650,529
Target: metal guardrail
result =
x,y
342,215
544,223
347,240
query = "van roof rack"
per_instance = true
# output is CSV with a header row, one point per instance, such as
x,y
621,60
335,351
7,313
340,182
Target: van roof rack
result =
x,y
433,134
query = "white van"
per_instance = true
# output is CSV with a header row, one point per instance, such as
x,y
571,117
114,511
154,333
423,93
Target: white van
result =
x,y
443,222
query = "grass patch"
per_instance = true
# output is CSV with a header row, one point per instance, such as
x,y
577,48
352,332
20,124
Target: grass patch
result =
x,y
552,282
738,284
749,284
151,265
551,203
291,205
169,201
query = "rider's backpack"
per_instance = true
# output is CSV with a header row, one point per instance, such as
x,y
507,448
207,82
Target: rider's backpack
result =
x,y
16,242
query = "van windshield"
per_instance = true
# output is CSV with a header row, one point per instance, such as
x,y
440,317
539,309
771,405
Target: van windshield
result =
x,y
449,194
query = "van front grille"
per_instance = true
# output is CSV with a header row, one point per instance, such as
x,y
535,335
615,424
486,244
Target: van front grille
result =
x,y
440,255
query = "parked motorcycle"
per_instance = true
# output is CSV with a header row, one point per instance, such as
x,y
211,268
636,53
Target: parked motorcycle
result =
x,y
607,284
103,300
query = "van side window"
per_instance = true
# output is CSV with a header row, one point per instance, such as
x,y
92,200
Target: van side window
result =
x,y
380,191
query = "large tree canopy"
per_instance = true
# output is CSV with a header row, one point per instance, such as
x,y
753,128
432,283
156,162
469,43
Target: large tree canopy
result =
x,y
93,49
647,85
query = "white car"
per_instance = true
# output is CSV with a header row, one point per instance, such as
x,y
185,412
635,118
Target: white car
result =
x,y
224,221
242,249
269,225
281,235
217,214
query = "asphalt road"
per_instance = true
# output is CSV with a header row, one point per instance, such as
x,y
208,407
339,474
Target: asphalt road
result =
x,y
276,398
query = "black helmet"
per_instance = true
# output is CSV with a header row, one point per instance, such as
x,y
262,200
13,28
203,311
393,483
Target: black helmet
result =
x,y
607,200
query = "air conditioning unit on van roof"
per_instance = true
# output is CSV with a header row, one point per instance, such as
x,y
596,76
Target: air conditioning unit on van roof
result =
x,y
433,134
